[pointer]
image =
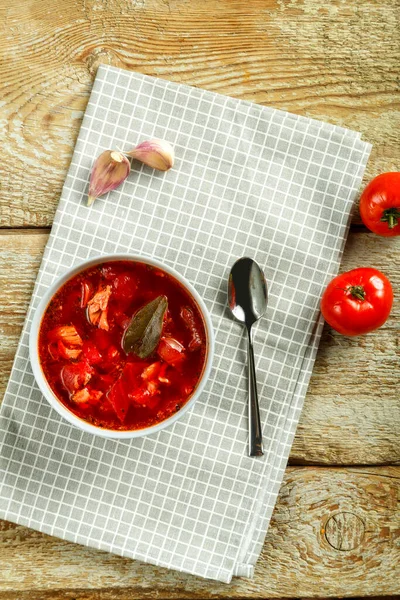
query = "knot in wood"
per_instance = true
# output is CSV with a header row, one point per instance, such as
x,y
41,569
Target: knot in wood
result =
x,y
344,531
102,56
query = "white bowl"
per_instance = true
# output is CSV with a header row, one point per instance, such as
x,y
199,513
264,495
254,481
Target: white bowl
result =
x,y
48,392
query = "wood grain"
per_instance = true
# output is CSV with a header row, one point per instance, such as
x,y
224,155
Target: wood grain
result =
x,y
335,531
297,558
115,594
336,61
352,412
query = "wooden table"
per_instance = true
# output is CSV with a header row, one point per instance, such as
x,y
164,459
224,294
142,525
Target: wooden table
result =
x,y
336,526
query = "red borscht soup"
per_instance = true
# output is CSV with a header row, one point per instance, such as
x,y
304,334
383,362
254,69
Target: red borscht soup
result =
x,y
122,345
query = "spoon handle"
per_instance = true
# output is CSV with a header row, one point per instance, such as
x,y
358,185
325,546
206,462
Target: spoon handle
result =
x,y
255,433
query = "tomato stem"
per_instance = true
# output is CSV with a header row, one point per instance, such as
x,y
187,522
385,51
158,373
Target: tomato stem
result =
x,y
391,216
357,291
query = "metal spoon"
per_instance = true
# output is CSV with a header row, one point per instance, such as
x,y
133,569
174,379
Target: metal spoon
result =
x,y
248,297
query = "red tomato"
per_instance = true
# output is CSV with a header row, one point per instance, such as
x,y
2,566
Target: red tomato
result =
x,y
380,204
358,301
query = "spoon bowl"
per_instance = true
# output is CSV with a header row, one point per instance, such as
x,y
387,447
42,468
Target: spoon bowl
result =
x,y
247,291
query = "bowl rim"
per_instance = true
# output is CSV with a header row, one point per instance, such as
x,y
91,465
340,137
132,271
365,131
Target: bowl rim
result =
x,y
44,385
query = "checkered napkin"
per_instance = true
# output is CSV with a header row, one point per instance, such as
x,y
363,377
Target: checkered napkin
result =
x,y
248,180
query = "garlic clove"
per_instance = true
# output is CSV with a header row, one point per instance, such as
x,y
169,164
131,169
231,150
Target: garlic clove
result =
x,y
157,154
110,169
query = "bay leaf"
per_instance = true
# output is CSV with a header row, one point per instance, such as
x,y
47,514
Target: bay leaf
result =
x,y
144,331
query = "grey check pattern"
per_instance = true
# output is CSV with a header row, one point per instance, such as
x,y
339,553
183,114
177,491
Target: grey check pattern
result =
x,y
248,180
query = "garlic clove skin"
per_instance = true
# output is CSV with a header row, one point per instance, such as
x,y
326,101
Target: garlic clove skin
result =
x,y
110,169
157,154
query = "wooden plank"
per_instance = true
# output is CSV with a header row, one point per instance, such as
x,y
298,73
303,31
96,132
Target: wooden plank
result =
x,y
334,532
352,410
111,594
108,594
351,413
335,61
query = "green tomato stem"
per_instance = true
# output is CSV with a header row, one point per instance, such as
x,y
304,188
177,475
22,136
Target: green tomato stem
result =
x,y
357,291
391,216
